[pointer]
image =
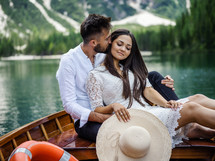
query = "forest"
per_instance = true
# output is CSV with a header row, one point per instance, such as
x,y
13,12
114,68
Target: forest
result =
x,y
194,33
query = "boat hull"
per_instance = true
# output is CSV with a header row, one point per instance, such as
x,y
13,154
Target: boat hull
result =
x,y
58,129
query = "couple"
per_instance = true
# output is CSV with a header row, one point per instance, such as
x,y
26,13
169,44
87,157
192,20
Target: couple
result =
x,y
122,82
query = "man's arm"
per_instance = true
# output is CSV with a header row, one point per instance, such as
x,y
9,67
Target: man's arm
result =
x,y
98,117
66,75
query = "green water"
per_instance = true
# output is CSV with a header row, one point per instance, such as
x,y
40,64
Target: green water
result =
x,y
29,89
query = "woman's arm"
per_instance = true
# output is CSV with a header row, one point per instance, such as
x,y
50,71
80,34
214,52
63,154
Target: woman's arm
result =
x,y
94,87
120,111
153,96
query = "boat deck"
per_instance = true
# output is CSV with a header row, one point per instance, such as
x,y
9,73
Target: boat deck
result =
x,y
84,149
59,130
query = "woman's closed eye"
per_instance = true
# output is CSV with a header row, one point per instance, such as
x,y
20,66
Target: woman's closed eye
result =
x,y
120,44
128,48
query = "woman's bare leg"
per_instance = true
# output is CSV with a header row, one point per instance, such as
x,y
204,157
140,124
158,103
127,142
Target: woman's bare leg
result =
x,y
198,131
203,100
194,112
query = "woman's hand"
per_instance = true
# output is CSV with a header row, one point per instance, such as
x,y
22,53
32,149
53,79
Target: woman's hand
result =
x,y
121,112
173,104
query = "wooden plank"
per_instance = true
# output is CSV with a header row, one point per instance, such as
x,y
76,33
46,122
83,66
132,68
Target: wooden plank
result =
x,y
92,145
59,125
184,151
44,131
82,154
51,128
7,149
201,143
1,156
64,139
213,158
29,135
192,153
66,122
79,142
14,143
21,138
37,134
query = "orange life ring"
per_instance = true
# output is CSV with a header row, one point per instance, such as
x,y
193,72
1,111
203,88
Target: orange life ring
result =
x,y
40,151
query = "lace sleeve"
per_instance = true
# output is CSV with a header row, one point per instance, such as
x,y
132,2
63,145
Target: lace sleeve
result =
x,y
94,90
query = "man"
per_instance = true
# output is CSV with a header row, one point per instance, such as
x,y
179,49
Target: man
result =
x,y
75,66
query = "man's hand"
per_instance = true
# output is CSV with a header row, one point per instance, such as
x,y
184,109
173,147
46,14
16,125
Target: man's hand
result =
x,y
169,82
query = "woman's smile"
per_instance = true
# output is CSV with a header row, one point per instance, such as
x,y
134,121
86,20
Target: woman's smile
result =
x,y
121,54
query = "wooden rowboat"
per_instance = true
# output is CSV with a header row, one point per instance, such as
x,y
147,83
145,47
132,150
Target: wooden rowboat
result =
x,y
58,129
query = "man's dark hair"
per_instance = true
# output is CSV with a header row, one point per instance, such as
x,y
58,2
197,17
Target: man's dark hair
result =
x,y
93,25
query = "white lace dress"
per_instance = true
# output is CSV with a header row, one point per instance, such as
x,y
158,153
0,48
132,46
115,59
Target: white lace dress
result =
x,y
103,89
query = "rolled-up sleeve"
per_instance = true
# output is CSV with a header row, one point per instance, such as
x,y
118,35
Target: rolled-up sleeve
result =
x,y
66,79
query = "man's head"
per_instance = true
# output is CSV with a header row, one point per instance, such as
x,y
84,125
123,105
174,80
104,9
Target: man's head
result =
x,y
96,30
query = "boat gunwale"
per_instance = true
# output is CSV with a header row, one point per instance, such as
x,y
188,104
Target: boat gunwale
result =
x,y
17,132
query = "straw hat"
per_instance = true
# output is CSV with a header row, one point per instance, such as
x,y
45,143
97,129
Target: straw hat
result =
x,y
143,138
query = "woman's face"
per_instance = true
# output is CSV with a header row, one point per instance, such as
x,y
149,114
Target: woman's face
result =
x,y
121,47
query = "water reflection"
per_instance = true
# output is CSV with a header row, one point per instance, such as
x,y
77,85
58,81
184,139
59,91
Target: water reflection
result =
x,y
29,89
192,73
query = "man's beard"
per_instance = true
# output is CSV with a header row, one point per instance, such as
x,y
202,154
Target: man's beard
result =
x,y
99,49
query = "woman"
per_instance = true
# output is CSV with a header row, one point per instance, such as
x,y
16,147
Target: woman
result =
x,y
121,83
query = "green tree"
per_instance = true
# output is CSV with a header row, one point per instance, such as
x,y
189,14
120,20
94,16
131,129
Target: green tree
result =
x,y
6,46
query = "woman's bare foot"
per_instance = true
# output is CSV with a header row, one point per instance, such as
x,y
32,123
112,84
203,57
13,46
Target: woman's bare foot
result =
x,y
198,131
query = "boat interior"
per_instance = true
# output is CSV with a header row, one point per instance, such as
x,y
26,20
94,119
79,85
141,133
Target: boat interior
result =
x,y
59,129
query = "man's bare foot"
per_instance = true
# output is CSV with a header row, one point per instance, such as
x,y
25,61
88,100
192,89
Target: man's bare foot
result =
x,y
198,131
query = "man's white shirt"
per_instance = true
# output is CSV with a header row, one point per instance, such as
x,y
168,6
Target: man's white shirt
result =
x,y
71,75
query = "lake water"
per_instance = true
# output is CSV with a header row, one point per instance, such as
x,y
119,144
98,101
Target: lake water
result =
x,y
29,89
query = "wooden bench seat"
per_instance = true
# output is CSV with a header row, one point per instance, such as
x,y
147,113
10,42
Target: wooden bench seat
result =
x,y
83,149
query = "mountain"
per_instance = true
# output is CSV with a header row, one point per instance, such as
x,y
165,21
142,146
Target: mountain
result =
x,y
22,19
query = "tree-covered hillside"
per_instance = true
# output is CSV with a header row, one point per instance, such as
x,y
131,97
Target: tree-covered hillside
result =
x,y
194,32
29,21
168,8
196,29
24,16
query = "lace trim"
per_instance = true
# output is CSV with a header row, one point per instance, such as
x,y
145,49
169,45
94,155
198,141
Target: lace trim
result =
x,y
94,90
172,124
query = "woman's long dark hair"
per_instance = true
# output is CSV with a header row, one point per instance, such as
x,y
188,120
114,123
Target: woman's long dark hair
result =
x,y
133,62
